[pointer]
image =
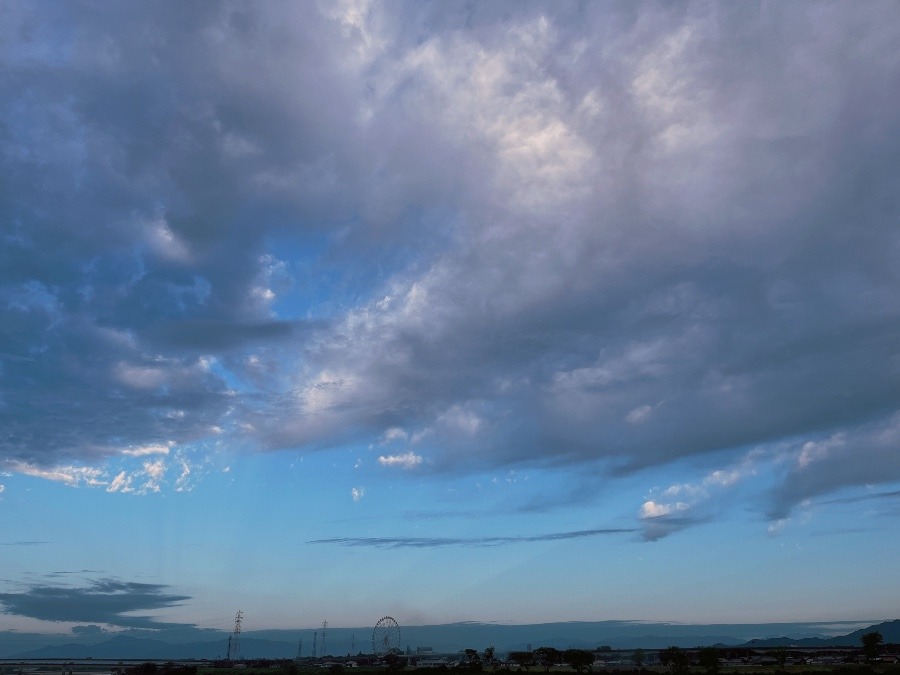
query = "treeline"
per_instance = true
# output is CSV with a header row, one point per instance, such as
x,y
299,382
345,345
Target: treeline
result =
x,y
151,668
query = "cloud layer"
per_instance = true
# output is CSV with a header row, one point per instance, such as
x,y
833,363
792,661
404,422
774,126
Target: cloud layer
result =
x,y
608,235
106,601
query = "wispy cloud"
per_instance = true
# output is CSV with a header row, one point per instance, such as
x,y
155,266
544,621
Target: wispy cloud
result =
x,y
473,542
70,475
875,496
25,543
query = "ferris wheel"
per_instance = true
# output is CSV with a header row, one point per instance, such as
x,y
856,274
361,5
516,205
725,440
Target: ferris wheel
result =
x,y
386,636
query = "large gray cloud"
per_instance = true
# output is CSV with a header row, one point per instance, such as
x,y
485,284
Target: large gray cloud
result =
x,y
610,234
683,248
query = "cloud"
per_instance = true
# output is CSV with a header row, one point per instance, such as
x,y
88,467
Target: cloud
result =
x,y
553,331
357,493
651,509
663,525
876,496
477,542
24,543
147,480
106,601
408,460
70,475
148,450
92,629
183,482
866,455
483,235
394,434
683,505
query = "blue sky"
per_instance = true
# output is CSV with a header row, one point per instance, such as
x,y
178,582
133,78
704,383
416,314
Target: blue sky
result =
x,y
507,312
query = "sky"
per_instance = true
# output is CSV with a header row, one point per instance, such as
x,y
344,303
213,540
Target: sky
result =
x,y
505,312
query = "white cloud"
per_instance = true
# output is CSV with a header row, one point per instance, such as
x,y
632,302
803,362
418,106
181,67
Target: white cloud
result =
x,y
394,434
460,420
145,450
182,483
720,478
777,526
155,472
651,509
684,490
639,414
263,294
151,473
357,493
155,469
121,483
165,242
70,475
410,460
704,496
817,451
140,377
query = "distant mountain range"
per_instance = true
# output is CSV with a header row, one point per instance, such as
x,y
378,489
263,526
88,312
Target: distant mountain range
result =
x,y
448,638
127,647
890,631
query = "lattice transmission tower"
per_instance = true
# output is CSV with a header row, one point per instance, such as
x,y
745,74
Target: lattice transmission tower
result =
x,y
234,640
324,628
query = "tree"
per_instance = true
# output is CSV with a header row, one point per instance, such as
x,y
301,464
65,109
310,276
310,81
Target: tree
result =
x,y
676,659
392,659
489,655
780,656
638,656
708,658
578,658
547,656
473,660
871,643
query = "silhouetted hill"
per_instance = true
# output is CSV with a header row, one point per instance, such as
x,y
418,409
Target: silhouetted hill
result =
x,y
123,646
890,630
445,638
